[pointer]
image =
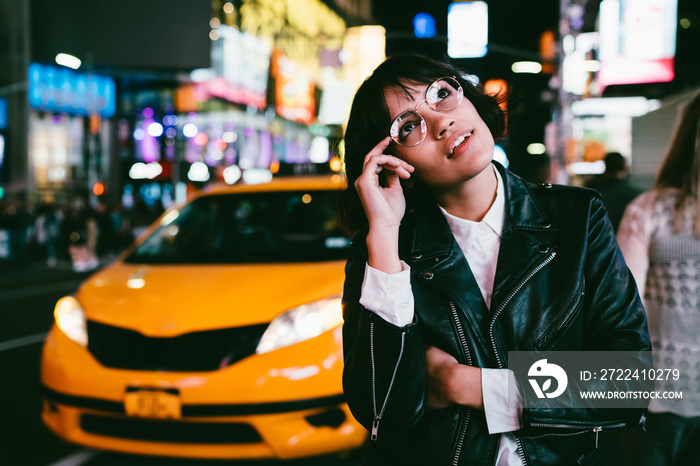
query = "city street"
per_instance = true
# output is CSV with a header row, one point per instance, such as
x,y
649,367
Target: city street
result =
x,y
249,234
28,292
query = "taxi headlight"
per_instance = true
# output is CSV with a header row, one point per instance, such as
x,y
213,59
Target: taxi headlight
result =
x,y
301,323
70,319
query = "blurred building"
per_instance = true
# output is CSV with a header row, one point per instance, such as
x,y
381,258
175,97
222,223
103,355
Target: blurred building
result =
x,y
583,74
171,95
174,94
625,67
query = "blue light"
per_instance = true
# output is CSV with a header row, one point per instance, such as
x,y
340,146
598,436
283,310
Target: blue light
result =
x,y
424,26
63,90
3,113
499,155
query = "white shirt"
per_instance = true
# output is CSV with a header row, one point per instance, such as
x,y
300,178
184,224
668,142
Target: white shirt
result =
x,y
390,296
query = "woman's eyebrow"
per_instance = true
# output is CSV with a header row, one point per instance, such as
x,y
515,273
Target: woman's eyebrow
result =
x,y
407,94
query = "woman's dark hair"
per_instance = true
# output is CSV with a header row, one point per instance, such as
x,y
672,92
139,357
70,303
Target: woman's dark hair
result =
x,y
369,118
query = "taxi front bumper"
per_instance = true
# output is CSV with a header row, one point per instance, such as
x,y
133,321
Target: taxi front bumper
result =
x,y
284,404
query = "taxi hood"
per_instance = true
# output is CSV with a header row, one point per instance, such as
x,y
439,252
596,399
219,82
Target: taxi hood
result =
x,y
171,300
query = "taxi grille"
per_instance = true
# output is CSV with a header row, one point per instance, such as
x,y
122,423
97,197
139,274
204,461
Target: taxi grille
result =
x,y
170,431
192,352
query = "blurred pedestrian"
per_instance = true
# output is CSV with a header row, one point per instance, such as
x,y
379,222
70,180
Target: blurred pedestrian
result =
x,y
81,232
6,227
47,232
456,261
614,187
660,239
107,235
21,223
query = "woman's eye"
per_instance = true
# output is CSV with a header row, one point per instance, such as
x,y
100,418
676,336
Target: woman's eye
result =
x,y
442,93
407,128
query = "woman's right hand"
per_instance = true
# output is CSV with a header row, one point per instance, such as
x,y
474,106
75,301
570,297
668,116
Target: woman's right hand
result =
x,y
384,205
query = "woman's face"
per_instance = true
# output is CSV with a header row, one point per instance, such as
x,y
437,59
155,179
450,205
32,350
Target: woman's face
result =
x,y
457,146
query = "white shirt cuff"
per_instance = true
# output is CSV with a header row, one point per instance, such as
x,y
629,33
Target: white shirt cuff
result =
x,y
502,400
388,295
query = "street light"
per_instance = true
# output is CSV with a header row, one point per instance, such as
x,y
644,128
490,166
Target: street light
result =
x,y
69,61
532,67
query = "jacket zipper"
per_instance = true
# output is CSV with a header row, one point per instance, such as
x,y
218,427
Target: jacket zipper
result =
x,y
571,313
596,429
378,416
568,317
507,300
467,411
499,361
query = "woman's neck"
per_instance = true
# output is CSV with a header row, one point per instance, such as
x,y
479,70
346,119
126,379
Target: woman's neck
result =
x,y
472,199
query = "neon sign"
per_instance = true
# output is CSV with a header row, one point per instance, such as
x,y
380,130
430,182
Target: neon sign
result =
x,y
54,89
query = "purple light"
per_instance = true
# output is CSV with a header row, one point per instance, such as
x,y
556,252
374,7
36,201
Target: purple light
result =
x,y
265,157
147,112
292,155
150,149
230,155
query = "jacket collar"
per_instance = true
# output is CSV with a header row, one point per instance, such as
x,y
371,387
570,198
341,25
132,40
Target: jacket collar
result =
x,y
522,210
433,253
528,236
429,236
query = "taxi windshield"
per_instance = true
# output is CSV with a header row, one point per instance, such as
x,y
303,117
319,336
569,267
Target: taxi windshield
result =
x,y
248,228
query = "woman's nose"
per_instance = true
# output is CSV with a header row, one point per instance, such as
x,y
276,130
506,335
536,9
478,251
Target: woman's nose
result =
x,y
440,122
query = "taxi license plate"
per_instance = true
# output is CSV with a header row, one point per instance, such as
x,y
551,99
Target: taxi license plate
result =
x,y
154,403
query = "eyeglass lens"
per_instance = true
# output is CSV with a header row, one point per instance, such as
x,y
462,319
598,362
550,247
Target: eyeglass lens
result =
x,y
409,128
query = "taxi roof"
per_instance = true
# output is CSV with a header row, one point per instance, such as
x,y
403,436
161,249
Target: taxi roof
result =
x,y
333,182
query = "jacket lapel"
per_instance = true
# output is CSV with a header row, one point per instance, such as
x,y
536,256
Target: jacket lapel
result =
x,y
437,261
526,240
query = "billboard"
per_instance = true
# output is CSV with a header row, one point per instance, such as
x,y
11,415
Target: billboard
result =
x,y
294,91
637,41
54,89
467,29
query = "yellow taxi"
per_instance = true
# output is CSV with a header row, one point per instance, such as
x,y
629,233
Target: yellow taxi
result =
x,y
216,335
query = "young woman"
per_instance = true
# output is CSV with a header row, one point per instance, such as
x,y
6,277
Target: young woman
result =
x,y
454,262
660,239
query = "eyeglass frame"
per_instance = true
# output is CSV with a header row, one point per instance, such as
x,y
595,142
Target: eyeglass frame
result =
x,y
424,123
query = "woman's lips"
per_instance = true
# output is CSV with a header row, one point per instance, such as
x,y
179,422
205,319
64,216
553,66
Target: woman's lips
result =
x,y
460,144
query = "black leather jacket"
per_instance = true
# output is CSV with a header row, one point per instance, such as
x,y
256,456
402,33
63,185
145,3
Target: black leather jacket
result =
x,y
561,285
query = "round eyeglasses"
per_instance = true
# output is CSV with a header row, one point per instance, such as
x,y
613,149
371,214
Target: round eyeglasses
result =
x,y
409,128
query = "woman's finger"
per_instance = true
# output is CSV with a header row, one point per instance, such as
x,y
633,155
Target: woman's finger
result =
x,y
372,170
378,149
389,160
375,164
